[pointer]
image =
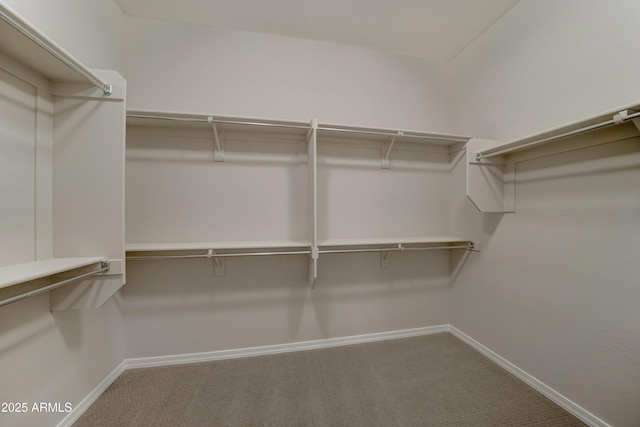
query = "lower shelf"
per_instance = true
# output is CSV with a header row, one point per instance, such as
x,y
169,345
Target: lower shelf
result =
x,y
22,281
218,251
28,271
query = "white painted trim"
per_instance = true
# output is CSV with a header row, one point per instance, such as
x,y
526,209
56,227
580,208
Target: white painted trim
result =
x,y
177,359
570,406
81,407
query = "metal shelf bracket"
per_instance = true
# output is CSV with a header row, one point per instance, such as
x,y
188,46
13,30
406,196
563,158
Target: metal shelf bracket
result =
x,y
385,158
218,263
385,256
218,153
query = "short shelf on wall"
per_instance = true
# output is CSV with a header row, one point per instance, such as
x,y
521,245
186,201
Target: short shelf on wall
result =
x,y
24,280
491,171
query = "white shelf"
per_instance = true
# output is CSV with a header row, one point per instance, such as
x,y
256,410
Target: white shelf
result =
x,y
392,241
168,247
25,272
588,124
170,119
40,53
342,132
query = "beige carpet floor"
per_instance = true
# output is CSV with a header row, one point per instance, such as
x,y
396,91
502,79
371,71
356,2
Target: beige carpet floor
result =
x,y
433,380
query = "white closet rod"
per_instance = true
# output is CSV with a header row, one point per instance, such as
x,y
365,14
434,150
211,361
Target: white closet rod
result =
x,y
394,249
616,120
395,134
213,255
14,20
216,121
104,267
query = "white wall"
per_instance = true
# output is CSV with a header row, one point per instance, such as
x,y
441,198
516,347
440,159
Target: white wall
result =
x,y
179,306
555,288
547,63
55,357
202,69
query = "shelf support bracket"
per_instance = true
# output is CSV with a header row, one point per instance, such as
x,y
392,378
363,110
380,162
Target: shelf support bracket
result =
x,y
218,154
385,158
218,263
490,181
385,256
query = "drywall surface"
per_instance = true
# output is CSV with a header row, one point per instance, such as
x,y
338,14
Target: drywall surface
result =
x,y
179,306
555,288
200,69
54,358
545,64
176,193
91,30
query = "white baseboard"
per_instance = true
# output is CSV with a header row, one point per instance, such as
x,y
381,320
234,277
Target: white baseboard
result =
x,y
570,406
79,409
145,362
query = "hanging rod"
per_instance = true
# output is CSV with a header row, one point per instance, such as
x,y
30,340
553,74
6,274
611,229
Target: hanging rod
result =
x,y
398,248
104,267
395,134
211,254
617,119
19,24
216,121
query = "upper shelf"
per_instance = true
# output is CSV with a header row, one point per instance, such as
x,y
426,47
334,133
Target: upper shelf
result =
x,y
340,132
325,131
27,45
163,119
599,121
491,182
391,241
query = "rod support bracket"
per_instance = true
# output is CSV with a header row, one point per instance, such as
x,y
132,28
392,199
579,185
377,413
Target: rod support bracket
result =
x,y
385,158
218,153
218,263
385,256
105,263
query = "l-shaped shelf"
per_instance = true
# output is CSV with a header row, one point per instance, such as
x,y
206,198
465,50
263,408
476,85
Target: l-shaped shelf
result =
x,y
491,165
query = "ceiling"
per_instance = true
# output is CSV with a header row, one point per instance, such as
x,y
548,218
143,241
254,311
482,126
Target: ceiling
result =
x,y
434,29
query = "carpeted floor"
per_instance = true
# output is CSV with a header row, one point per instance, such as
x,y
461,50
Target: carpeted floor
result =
x,y
433,380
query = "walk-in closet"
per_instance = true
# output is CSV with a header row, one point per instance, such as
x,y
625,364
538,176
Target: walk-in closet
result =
x,y
366,213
